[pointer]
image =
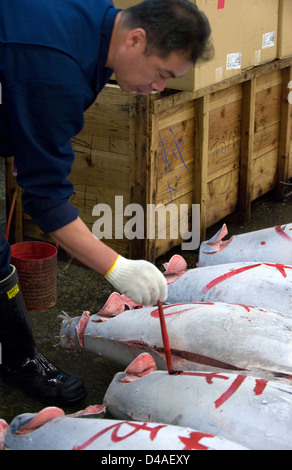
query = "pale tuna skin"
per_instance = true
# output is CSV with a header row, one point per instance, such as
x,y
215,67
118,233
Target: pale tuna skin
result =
x,y
251,412
66,433
273,245
200,335
263,285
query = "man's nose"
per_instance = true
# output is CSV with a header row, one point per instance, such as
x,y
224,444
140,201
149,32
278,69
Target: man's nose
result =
x,y
159,85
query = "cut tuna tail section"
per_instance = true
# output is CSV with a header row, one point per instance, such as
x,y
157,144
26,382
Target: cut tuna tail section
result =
x,y
113,306
175,268
43,417
53,412
3,430
216,243
143,364
280,231
81,326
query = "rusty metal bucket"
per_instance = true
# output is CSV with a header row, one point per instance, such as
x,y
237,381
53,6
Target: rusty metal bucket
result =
x,y
36,264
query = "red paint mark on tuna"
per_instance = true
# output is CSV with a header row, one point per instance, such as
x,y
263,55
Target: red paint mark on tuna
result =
x,y
263,243
280,267
282,234
155,313
246,307
136,427
193,441
233,387
228,275
231,390
260,386
209,376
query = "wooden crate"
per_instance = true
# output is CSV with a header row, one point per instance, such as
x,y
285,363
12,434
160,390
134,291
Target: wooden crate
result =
x,y
221,148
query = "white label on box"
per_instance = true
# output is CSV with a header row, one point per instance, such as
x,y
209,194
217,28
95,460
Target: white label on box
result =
x,y
233,61
268,39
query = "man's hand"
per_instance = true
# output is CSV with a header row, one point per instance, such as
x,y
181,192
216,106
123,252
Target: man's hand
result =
x,y
139,280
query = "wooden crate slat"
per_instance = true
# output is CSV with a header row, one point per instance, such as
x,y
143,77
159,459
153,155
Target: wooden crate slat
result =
x,y
222,198
246,154
201,145
284,170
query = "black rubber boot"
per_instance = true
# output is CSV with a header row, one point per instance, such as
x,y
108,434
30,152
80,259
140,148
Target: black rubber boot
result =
x,y
23,366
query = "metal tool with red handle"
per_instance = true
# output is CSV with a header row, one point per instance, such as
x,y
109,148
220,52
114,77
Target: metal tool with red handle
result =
x,y
165,340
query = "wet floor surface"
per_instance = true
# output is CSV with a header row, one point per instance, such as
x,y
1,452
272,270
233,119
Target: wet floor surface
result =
x,y
80,289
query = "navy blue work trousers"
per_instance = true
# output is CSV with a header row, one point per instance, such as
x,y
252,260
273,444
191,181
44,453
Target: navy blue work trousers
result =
x,y
5,254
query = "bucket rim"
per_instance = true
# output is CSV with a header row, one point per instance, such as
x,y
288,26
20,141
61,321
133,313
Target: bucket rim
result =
x,y
35,243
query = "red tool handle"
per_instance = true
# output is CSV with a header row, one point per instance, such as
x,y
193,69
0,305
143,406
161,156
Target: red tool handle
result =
x,y
165,337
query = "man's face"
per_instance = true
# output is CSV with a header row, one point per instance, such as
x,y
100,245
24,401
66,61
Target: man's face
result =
x,y
140,73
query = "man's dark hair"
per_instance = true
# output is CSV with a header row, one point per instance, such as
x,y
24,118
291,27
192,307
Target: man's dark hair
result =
x,y
172,26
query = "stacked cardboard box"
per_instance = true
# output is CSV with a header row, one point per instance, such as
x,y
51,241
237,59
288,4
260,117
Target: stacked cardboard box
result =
x,y
285,29
244,35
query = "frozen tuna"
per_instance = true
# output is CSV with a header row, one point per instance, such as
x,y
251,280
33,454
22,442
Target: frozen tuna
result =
x,y
251,411
264,285
50,429
273,245
204,336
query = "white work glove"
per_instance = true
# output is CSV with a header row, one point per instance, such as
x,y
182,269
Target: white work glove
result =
x,y
138,279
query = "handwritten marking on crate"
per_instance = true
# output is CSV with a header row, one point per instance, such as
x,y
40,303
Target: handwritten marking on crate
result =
x,y
171,148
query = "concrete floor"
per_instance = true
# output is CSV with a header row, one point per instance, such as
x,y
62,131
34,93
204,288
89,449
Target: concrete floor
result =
x,y
80,289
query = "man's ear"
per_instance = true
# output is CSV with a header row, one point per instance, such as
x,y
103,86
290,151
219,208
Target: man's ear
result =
x,y
136,38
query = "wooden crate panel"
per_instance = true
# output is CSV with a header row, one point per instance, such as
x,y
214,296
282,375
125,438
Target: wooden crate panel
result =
x,y
225,109
106,122
175,157
175,147
268,103
267,133
170,234
266,140
265,174
175,185
172,171
174,115
224,131
222,197
175,153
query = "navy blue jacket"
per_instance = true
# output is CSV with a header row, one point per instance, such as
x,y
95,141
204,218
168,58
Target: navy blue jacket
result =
x,y
52,66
